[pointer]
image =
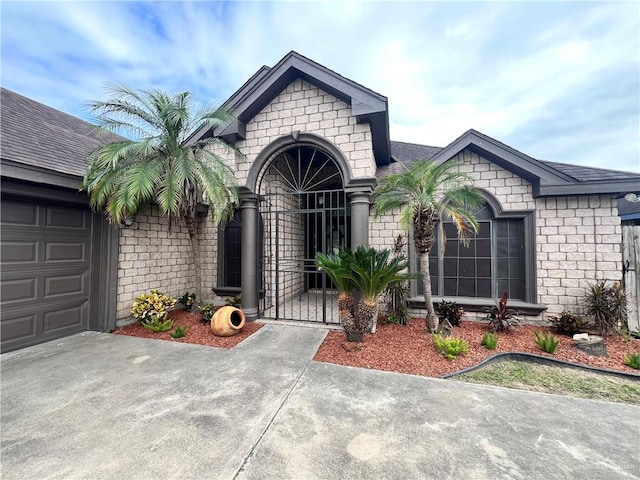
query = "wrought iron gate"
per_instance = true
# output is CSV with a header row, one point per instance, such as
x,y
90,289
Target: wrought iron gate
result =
x,y
305,210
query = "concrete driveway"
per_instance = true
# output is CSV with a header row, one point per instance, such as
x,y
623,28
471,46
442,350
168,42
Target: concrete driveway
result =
x,y
100,406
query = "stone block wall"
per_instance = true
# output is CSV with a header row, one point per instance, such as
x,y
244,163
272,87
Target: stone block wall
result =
x,y
151,255
305,108
577,239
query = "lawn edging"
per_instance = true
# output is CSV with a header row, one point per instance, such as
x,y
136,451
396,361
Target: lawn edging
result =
x,y
540,360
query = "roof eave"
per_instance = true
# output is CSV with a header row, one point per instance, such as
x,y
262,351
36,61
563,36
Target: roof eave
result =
x,y
599,187
506,157
35,174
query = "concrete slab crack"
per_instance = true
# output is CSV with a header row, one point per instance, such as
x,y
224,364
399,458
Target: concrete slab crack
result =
x,y
271,420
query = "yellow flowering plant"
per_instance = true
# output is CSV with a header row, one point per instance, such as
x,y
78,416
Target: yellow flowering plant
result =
x,y
150,305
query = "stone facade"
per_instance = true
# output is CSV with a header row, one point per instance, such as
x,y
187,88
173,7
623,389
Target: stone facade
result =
x,y
152,255
305,108
577,239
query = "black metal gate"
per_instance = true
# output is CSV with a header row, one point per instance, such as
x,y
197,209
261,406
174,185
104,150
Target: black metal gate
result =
x,y
305,210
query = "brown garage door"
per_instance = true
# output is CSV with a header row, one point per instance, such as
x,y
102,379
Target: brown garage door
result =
x,y
46,272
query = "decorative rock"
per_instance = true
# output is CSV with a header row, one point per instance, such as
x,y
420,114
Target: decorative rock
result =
x,y
592,345
581,336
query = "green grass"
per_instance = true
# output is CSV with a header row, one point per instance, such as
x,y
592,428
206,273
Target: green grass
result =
x,y
558,380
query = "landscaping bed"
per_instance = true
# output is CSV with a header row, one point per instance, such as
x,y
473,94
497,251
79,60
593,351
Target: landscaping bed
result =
x,y
410,349
196,332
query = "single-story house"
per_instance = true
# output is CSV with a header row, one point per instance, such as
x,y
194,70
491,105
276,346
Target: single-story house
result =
x,y
314,145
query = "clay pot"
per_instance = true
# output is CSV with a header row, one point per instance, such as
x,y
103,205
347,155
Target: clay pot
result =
x,y
227,321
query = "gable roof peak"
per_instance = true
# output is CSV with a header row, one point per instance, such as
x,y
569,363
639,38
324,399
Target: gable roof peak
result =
x,y
366,105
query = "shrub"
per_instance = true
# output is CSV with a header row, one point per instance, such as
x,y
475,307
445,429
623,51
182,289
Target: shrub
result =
x,y
449,311
548,343
398,293
392,319
450,347
501,318
187,300
633,360
207,310
568,323
234,301
154,304
489,341
179,332
607,305
157,323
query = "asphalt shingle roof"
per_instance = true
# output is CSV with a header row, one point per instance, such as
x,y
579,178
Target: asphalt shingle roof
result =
x,y
585,174
33,134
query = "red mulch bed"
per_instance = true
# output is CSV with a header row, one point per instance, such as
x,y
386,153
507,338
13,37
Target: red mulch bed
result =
x,y
409,349
197,332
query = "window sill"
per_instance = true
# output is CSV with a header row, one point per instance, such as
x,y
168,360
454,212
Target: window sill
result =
x,y
231,291
471,304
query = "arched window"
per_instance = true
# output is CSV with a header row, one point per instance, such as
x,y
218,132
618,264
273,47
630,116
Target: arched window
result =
x,y
499,258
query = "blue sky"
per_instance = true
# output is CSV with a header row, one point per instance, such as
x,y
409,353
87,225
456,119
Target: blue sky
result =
x,y
559,81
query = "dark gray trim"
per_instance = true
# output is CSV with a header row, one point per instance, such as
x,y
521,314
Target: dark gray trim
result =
x,y
31,173
287,141
220,259
249,265
367,105
360,191
616,187
105,274
508,158
546,180
529,220
479,305
362,184
39,191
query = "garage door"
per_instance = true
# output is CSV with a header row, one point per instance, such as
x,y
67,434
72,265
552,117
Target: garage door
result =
x,y
46,272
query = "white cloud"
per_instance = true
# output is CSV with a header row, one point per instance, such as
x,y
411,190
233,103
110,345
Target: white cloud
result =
x,y
558,81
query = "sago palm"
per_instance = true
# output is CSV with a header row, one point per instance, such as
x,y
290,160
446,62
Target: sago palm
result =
x,y
157,164
426,194
336,266
371,272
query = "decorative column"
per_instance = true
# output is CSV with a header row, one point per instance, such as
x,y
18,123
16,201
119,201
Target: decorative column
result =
x,y
360,190
249,261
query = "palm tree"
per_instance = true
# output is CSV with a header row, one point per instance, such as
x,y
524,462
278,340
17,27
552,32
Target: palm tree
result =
x,y
336,265
426,194
371,272
159,165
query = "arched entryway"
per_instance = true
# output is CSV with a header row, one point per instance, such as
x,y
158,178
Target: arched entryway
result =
x,y
305,210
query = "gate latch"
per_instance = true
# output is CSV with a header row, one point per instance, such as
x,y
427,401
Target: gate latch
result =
x,y
625,267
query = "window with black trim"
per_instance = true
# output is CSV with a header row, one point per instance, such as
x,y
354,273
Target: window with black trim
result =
x,y
498,258
231,253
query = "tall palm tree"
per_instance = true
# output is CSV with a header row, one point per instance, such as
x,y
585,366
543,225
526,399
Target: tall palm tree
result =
x,y
426,194
158,165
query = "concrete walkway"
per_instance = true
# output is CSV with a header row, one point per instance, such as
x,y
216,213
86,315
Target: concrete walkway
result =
x,y
102,406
